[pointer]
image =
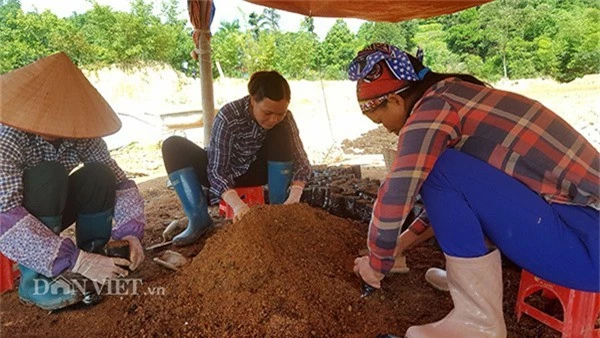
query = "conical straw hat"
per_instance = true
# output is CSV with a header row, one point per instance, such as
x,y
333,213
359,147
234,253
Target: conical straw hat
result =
x,y
52,97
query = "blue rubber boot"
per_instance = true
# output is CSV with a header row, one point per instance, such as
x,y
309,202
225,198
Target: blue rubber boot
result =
x,y
194,204
280,176
93,231
47,293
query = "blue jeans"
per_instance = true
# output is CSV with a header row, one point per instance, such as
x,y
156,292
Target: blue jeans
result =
x,y
467,200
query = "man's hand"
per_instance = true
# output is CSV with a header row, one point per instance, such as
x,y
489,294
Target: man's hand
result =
x,y
295,193
368,275
100,268
136,252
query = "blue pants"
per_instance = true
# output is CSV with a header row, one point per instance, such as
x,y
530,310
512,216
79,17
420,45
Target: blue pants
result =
x,y
467,200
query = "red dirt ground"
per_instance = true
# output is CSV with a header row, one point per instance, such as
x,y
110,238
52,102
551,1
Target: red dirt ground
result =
x,y
281,271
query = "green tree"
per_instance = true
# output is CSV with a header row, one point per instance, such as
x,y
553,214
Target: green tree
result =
x,y
398,34
578,39
437,56
271,19
10,56
26,37
233,26
337,51
308,25
98,27
545,57
227,49
258,54
503,21
178,33
465,34
540,20
170,12
8,7
295,55
520,58
257,23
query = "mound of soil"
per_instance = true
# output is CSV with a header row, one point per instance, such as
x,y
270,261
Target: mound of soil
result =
x,y
372,142
281,271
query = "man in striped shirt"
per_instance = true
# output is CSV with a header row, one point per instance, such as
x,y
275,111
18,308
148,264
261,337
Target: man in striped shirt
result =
x,y
487,163
250,137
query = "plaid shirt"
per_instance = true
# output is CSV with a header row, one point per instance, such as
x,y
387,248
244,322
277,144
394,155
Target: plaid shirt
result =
x,y
236,138
510,132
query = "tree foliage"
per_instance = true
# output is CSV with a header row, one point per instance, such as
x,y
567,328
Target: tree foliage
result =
x,y
538,38
504,38
100,36
272,19
337,50
398,34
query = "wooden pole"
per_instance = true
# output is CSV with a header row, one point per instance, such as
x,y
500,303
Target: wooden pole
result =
x,y
206,84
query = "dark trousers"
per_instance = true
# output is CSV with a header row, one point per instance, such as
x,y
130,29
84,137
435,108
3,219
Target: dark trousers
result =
x,y
179,153
49,190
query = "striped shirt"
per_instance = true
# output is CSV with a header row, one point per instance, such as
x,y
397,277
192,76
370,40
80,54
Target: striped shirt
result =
x,y
510,132
236,138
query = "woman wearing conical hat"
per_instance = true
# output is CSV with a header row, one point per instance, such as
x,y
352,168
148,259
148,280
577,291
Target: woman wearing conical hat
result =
x,y
486,163
51,122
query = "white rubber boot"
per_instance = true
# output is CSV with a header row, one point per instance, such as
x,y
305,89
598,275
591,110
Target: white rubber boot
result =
x,y
476,288
437,278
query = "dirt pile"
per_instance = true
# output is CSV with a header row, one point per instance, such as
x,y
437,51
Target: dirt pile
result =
x,y
371,142
277,267
281,271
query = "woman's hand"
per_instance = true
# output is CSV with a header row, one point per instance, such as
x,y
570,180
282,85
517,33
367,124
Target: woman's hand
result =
x,y
363,269
295,194
100,268
235,202
136,252
239,212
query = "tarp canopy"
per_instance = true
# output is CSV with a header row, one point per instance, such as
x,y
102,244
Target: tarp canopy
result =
x,y
376,10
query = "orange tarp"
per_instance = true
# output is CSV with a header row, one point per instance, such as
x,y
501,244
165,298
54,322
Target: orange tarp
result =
x,y
378,10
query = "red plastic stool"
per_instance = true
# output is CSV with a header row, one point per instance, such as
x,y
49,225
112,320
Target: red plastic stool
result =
x,y
581,309
8,273
250,195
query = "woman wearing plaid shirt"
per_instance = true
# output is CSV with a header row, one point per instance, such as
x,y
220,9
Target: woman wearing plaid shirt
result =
x,y
487,163
56,170
250,137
